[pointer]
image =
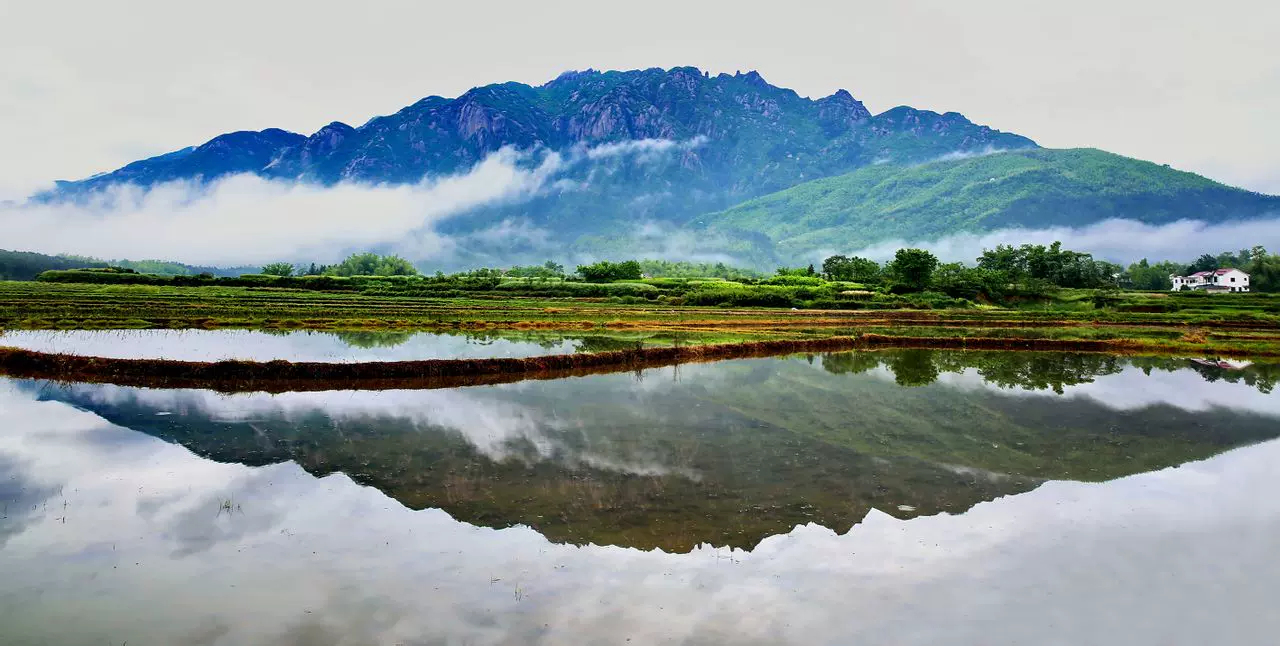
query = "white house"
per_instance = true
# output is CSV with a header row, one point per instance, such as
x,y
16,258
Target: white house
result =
x,y
1216,281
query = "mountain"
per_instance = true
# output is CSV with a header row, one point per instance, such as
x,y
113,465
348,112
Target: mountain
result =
x,y
760,134
236,152
718,164
741,137
1027,188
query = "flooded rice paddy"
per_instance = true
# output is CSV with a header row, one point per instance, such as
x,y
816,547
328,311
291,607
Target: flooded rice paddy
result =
x,y
331,347
898,497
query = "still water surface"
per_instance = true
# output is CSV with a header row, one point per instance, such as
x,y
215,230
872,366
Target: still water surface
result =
x,y
305,345
903,497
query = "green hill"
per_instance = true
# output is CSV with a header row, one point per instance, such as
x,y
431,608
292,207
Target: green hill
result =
x,y
1026,188
26,265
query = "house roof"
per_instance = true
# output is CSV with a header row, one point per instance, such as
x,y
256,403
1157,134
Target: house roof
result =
x,y
1216,272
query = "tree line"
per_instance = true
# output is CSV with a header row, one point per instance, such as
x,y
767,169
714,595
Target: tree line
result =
x,y
1263,269
358,264
1033,267
370,264
1030,267
26,265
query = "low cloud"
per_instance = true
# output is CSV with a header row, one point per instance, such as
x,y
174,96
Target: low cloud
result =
x,y
967,154
246,219
1121,241
644,150
661,241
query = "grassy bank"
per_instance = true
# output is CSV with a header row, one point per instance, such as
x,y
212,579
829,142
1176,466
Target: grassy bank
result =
x,y
37,305
1238,324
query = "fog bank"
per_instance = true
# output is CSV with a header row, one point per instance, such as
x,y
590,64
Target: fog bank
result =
x,y
1120,241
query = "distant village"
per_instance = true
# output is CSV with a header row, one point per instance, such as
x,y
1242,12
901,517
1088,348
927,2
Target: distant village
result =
x,y
1216,281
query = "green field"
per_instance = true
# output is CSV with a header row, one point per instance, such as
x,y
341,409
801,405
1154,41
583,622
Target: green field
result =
x,y
1191,322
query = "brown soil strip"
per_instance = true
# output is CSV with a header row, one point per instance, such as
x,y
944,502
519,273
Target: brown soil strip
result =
x,y
284,376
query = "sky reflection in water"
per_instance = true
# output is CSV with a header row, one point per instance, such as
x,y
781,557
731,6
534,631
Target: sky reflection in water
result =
x,y
111,534
305,345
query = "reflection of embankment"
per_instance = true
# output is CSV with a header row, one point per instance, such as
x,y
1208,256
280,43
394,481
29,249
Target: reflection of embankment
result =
x,y
282,376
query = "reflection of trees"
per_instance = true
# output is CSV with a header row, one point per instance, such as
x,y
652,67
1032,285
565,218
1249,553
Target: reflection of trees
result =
x,y
547,340
607,344
369,340
913,367
1262,376
1033,370
850,363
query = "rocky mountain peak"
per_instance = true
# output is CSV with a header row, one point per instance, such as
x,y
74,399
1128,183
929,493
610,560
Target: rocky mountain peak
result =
x,y
327,139
756,136
753,77
840,112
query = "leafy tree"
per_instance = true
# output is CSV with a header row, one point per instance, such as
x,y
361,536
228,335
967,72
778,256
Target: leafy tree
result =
x,y
605,271
1205,262
685,269
956,280
912,268
1052,264
1264,271
1238,260
546,270
856,269
371,264
797,271
1144,275
278,269
1005,258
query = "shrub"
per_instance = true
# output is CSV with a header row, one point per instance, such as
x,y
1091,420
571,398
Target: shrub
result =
x,y
788,279
605,271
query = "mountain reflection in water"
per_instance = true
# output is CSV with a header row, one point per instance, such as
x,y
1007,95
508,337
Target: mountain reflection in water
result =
x,y
728,454
111,535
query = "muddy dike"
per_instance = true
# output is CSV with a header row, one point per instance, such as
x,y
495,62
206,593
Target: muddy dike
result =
x,y
287,376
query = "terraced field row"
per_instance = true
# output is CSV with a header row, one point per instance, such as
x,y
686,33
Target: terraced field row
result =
x,y
1250,324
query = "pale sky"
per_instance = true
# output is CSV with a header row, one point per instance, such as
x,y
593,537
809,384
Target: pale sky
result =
x,y
90,86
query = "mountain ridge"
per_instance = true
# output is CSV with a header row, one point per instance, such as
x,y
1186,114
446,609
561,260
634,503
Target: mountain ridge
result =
x,y
437,135
757,169
1039,188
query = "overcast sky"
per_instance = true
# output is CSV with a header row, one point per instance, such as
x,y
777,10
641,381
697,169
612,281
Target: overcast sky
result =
x,y
89,86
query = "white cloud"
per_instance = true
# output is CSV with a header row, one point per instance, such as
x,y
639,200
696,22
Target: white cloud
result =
x,y
245,219
1129,390
644,150
966,154
1121,241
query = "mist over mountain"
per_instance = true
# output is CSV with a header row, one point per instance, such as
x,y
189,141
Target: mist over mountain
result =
x,y
1038,188
680,162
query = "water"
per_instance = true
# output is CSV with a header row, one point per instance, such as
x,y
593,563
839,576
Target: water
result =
x,y
302,345
904,497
